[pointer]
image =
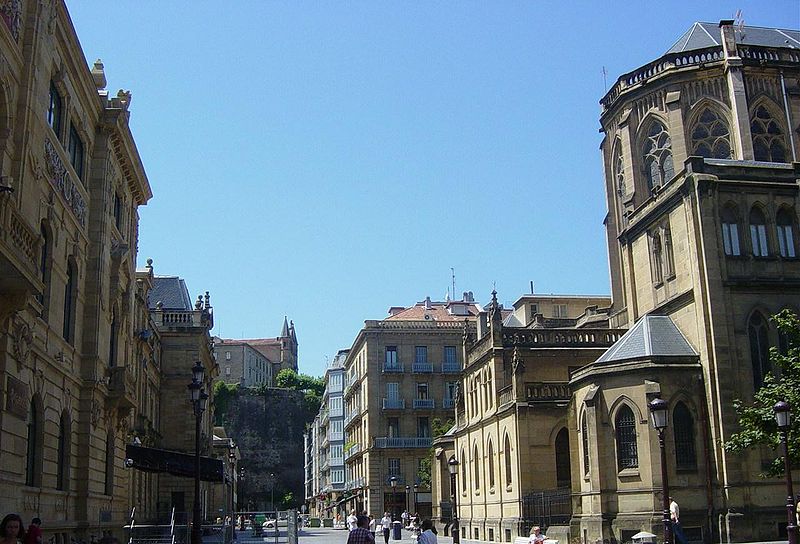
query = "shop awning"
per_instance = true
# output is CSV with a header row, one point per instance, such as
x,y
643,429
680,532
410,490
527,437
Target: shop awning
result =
x,y
173,462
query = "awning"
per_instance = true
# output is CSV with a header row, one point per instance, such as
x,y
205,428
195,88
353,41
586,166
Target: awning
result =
x,y
173,462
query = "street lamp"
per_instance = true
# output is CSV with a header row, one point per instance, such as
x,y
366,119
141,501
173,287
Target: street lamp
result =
x,y
408,495
659,411
416,488
393,481
452,466
783,416
199,397
232,464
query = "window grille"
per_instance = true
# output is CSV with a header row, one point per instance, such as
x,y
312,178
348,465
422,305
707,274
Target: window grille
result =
x,y
657,156
627,454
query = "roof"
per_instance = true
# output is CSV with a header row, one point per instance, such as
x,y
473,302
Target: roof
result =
x,y
651,336
171,292
436,311
702,35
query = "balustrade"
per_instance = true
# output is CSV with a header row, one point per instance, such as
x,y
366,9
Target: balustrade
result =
x,y
403,442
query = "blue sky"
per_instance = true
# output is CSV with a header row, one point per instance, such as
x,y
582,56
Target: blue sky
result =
x,y
327,160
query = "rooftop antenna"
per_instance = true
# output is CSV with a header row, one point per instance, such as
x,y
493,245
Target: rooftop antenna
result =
x,y
532,290
605,83
739,22
453,277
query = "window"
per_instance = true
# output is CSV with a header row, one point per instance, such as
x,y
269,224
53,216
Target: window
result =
x,y
656,258
625,424
227,370
657,156
109,479
422,390
563,476
421,354
560,310
64,433
118,212
711,137
450,390
534,310
476,468
394,466
785,232
391,356
227,355
54,109
585,444
393,427
393,390
683,432
768,142
619,172
423,427
730,231
32,458
75,150
507,458
491,465
69,303
758,232
463,464
759,348
450,356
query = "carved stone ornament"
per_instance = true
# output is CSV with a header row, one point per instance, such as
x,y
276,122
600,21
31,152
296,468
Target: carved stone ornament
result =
x,y
517,364
22,338
96,410
61,180
11,12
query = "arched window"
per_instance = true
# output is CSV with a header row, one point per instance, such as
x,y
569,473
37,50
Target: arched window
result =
x,y
33,455
669,257
768,141
730,231
109,480
656,256
758,232
683,432
625,425
463,472
711,137
563,476
68,331
476,467
759,348
491,464
507,457
585,444
785,231
619,169
64,433
657,156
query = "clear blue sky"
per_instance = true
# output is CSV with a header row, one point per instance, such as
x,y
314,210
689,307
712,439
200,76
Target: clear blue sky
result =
x,y
327,160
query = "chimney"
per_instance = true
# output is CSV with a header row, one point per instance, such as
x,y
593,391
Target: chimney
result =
x,y
394,310
728,38
428,305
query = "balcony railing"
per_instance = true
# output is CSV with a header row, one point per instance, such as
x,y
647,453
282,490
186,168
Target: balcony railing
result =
x,y
448,403
351,451
422,368
335,461
354,413
451,368
392,368
506,395
394,404
355,482
334,436
403,442
428,404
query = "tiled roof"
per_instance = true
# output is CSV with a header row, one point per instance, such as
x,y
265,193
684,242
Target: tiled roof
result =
x,y
651,336
702,35
437,312
171,291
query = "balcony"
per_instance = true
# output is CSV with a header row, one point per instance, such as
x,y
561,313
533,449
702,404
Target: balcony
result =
x,y
352,451
451,368
335,461
354,414
403,442
355,483
422,368
337,411
392,368
335,436
448,403
122,387
394,404
323,416
424,404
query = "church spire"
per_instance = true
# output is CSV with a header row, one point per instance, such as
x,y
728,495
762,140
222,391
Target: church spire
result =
x,y
285,330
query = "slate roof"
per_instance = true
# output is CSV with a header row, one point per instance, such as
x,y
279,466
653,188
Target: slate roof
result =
x,y
702,35
171,291
651,336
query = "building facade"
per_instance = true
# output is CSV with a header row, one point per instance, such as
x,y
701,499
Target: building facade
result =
x,y
331,436
242,364
401,377
280,351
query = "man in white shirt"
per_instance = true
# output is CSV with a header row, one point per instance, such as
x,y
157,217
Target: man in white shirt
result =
x,y
386,525
352,521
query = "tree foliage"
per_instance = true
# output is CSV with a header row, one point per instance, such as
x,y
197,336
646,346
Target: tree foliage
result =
x,y
757,420
311,386
438,428
222,394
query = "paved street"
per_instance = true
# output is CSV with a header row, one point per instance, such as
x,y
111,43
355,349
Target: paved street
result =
x,y
320,536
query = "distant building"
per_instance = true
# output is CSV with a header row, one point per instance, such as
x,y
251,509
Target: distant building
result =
x,y
331,436
240,363
280,351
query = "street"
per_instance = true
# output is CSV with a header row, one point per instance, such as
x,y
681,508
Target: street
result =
x,y
320,535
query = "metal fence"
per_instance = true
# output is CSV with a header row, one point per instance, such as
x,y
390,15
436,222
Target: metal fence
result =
x,y
546,508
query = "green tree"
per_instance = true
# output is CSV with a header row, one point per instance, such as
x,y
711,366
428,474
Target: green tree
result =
x,y
438,428
287,379
288,501
757,420
222,393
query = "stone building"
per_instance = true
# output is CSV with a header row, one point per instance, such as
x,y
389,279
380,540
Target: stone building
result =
x,y
280,351
242,364
330,434
401,376
512,434
699,151
80,354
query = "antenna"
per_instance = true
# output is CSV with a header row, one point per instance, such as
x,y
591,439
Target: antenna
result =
x,y
605,83
739,22
532,290
453,276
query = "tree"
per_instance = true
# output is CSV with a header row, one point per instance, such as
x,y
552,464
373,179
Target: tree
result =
x,y
757,420
287,379
438,428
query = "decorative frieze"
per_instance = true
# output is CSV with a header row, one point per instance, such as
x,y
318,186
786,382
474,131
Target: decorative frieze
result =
x,y
547,391
11,12
61,180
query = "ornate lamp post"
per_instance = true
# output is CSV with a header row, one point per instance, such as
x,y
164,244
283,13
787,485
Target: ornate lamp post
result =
x,y
783,416
408,496
416,487
232,464
452,466
199,397
393,482
659,412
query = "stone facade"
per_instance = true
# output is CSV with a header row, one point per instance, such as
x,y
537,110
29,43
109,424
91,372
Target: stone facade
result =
x,y
242,364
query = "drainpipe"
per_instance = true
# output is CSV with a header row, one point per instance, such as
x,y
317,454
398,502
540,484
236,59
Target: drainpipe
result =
x,y
788,117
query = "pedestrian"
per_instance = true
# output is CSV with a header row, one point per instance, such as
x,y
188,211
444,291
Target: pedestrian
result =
x,y
406,517
386,525
352,521
536,535
11,530
361,534
34,533
428,534
372,524
675,519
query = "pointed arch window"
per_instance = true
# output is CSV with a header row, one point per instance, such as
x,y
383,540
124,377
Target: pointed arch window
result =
x,y
507,458
657,156
563,475
54,108
476,467
784,226
463,473
491,464
758,232
768,140
683,433
625,425
585,444
32,455
759,348
730,231
669,257
619,169
711,136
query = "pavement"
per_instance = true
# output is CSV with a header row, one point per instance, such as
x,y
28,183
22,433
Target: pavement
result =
x,y
321,535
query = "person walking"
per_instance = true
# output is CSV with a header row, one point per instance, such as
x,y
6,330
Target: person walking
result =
x,y
372,523
361,534
34,533
352,521
675,518
428,534
386,525
11,530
